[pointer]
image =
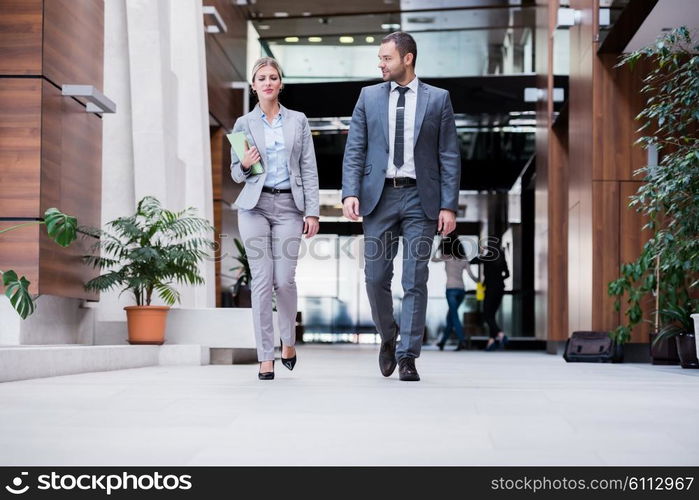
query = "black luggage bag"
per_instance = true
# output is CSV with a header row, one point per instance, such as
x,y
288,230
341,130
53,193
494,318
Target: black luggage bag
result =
x,y
592,347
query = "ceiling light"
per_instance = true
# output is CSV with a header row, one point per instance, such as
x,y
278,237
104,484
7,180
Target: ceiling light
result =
x,y
346,39
291,39
369,39
281,14
306,14
315,39
420,20
390,26
263,26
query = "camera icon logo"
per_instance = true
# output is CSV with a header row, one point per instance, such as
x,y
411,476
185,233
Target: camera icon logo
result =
x,y
16,487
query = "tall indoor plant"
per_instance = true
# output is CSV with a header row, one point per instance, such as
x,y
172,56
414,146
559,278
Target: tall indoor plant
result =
x,y
668,266
63,230
148,252
241,288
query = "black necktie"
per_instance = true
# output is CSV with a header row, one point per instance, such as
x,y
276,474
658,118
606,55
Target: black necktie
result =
x,y
398,139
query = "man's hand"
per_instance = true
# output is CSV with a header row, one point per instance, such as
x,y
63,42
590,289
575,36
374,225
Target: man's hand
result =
x,y
447,222
311,226
350,208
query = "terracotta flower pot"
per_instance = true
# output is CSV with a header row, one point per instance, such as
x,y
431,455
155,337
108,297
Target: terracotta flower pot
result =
x,y
146,324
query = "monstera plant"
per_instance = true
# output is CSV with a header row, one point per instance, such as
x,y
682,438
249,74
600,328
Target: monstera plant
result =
x,y
668,266
63,230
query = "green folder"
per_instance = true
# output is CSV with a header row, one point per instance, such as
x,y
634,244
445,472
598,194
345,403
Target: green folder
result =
x,y
237,140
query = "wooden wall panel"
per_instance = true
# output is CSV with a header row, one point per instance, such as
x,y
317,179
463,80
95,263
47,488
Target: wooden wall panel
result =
x,y
20,37
20,146
631,241
71,180
551,193
50,147
219,78
74,42
606,235
618,101
71,175
19,251
558,237
580,243
62,271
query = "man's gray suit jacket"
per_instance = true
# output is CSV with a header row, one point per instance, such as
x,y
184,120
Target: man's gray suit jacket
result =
x,y
436,150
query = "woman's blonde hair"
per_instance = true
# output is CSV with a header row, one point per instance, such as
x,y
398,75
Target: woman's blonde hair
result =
x,y
266,61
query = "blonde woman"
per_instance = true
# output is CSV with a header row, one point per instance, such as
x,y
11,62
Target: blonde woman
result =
x,y
274,208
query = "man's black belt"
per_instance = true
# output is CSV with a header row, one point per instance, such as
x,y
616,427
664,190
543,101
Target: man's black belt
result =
x,y
266,189
399,182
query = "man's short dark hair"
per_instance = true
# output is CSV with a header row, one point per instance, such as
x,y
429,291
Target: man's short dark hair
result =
x,y
404,43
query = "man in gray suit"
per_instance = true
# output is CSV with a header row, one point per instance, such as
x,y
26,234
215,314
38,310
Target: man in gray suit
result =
x,y
401,173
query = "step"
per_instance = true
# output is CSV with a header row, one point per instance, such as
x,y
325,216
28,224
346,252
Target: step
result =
x,y
37,361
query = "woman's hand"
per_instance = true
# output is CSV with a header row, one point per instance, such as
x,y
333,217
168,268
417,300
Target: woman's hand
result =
x,y
311,226
252,156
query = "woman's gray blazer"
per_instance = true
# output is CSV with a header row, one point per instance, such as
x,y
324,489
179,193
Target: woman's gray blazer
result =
x,y
300,155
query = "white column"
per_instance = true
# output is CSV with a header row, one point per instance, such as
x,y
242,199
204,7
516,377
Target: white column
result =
x,y
158,141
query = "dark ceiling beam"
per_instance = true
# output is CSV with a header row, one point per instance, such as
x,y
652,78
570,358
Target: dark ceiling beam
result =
x,y
626,26
435,30
393,11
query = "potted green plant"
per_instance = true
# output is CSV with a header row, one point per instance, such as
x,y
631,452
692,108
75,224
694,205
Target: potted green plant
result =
x,y
62,229
241,289
682,330
149,252
668,266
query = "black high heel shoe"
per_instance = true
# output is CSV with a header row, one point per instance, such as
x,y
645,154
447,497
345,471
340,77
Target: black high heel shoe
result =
x,y
288,362
266,375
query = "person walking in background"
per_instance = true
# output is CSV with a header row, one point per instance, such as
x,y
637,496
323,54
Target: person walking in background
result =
x,y
274,208
401,173
495,272
452,253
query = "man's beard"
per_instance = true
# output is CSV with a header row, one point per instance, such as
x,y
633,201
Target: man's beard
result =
x,y
396,77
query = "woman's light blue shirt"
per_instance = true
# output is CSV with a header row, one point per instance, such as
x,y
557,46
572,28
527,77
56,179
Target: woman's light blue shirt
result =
x,y
277,168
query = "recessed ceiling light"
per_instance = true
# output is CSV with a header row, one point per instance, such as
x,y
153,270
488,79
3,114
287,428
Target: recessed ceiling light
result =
x,y
346,39
291,39
421,20
390,26
263,26
306,14
281,14
315,39
369,39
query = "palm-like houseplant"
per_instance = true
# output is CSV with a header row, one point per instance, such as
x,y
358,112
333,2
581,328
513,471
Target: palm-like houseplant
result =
x,y
63,230
241,288
668,266
149,252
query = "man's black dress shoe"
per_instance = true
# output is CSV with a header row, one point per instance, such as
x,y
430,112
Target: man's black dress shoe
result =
x,y
407,370
387,356
266,375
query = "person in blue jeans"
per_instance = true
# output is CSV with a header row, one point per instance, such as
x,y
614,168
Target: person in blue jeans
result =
x,y
452,253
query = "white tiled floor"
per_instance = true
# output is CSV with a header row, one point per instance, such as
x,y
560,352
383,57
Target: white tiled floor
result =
x,y
513,408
